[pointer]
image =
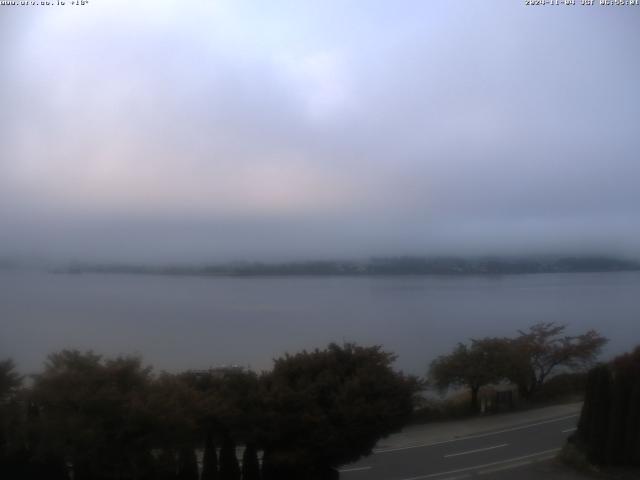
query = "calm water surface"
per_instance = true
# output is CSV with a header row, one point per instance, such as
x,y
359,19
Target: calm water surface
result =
x,y
191,322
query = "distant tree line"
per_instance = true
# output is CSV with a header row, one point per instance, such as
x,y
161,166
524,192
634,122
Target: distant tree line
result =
x,y
87,417
609,427
380,266
527,360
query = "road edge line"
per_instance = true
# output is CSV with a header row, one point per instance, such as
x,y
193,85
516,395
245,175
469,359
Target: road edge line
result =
x,y
471,437
477,467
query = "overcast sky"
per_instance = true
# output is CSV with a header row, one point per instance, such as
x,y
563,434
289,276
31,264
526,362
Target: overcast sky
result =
x,y
213,130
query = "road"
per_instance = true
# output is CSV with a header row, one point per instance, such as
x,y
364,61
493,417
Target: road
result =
x,y
475,455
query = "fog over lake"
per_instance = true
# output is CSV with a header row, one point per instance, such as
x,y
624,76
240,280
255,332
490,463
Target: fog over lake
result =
x,y
158,134
195,322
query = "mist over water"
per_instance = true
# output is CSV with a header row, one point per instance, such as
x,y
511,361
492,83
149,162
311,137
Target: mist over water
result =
x,y
173,132
179,323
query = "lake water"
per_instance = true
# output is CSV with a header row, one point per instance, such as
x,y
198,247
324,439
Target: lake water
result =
x,y
196,322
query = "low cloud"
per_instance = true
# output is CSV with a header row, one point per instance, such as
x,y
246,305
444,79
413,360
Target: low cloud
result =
x,y
223,130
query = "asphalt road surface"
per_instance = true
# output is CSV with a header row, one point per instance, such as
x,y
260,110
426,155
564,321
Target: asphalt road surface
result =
x,y
483,455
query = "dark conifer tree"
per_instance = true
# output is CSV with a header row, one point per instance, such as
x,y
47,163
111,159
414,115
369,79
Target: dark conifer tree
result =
x,y
229,468
621,388
585,423
599,420
609,426
210,460
53,467
187,464
267,470
167,466
631,436
16,465
633,424
250,463
145,466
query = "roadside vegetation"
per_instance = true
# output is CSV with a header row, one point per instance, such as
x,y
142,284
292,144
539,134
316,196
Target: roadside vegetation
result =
x,y
540,363
86,417
92,418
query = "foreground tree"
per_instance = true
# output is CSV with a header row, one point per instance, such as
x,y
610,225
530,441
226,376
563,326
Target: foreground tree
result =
x,y
527,360
609,427
483,362
12,425
91,412
231,409
10,380
330,407
545,348
175,408
593,424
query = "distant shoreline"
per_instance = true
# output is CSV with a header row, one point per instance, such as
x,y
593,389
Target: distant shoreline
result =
x,y
399,266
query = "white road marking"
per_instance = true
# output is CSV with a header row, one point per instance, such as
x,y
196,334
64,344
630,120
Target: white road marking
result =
x,y
470,437
459,477
475,451
570,430
511,466
486,465
354,469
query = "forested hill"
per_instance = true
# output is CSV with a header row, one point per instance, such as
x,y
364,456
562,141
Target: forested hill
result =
x,y
378,266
